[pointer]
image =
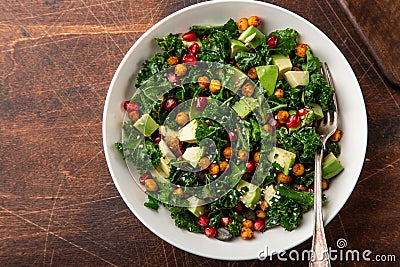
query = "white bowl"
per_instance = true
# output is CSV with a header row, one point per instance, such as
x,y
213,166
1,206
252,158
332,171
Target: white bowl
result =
x,y
352,113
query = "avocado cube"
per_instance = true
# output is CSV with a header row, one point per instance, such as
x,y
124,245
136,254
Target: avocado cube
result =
x,y
196,206
253,37
146,125
283,157
236,46
331,166
283,62
252,196
297,78
268,76
245,106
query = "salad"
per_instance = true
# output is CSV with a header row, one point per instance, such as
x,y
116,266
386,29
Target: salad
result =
x,y
221,132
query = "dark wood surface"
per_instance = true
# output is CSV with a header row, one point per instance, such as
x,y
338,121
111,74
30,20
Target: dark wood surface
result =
x,y
58,203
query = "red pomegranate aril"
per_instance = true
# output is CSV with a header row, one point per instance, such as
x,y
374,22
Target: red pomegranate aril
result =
x,y
206,210
239,206
251,166
272,41
194,48
189,37
232,136
302,111
225,221
129,106
201,102
173,78
189,59
293,121
259,224
170,103
144,177
203,220
158,139
210,231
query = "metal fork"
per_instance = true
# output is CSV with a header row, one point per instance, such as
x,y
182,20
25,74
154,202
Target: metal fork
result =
x,y
325,128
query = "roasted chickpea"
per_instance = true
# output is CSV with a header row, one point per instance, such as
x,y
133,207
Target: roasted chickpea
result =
x,y
215,86
242,24
203,82
256,156
174,144
298,169
223,165
173,60
336,136
296,68
248,224
179,191
246,233
133,115
243,155
267,127
325,184
254,21
228,152
279,93
213,169
282,116
247,90
204,162
182,118
263,205
252,73
261,214
283,178
300,187
180,70
301,50
150,185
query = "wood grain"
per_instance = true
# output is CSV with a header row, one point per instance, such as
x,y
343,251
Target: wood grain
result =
x,y
58,204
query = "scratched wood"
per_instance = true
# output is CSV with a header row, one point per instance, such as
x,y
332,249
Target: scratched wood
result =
x,y
58,204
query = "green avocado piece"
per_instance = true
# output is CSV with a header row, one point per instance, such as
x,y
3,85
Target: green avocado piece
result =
x,y
252,196
252,37
318,113
197,207
245,106
283,157
297,78
236,46
268,76
283,62
331,166
146,125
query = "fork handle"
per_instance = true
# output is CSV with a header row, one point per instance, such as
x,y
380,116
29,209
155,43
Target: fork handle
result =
x,y
320,253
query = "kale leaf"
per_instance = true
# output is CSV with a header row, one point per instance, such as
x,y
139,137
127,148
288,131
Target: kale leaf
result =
x,y
318,91
229,27
285,212
184,219
304,142
150,67
216,47
287,40
152,203
171,45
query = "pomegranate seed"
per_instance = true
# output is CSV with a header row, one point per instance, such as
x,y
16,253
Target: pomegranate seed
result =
x,y
311,189
194,48
232,136
129,106
170,103
201,102
259,224
203,220
210,231
144,177
206,210
173,78
251,166
302,112
158,139
293,121
225,221
239,206
189,37
189,59
272,41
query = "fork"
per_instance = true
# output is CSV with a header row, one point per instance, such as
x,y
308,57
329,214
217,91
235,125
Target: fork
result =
x,y
325,128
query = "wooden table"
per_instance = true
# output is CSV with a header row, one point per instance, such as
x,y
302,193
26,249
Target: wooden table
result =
x,y
58,203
